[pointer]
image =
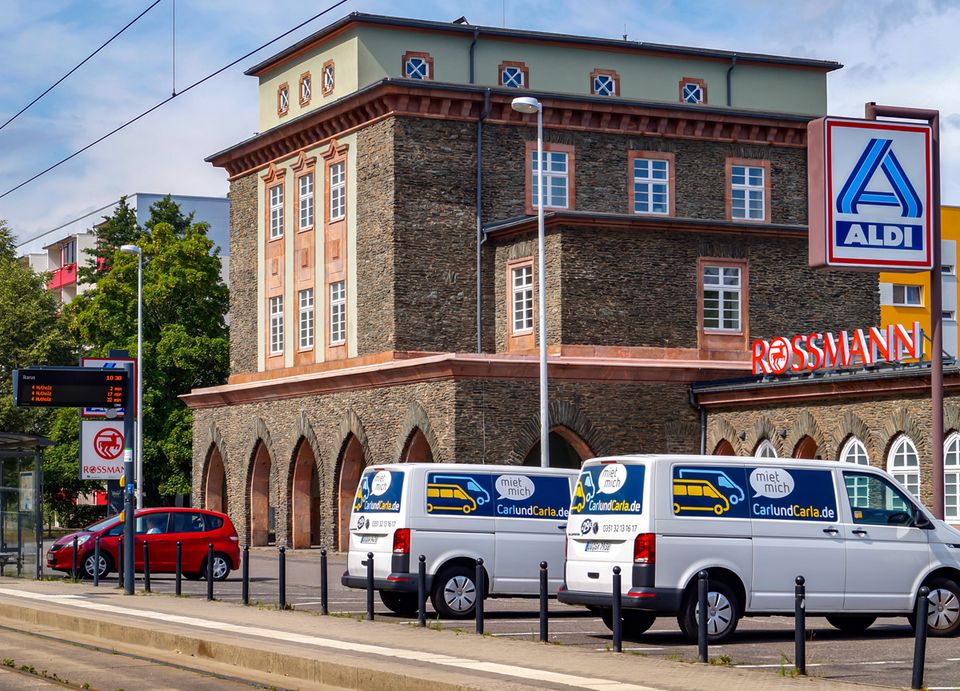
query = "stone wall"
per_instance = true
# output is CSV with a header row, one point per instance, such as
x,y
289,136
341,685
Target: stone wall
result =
x,y
243,274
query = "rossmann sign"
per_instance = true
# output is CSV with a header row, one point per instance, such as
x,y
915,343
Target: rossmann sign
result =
x,y
814,351
870,195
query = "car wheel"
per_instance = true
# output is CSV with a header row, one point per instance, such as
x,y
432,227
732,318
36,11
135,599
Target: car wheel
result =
x,y
106,564
943,611
851,624
454,593
404,604
723,613
221,567
634,623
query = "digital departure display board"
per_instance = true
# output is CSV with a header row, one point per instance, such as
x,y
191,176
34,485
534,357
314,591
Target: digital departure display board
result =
x,y
69,387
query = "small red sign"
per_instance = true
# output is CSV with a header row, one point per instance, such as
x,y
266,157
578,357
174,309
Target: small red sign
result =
x,y
108,444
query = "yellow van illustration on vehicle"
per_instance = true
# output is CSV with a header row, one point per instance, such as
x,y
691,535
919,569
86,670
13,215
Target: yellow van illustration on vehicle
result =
x,y
444,497
698,495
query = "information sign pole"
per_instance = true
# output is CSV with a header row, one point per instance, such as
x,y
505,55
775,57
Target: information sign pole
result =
x,y
128,479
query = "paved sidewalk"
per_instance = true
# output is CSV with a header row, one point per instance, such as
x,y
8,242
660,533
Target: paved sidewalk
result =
x,y
338,651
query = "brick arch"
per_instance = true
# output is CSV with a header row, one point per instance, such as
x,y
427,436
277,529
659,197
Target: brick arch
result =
x,y
215,442
951,419
762,429
724,447
215,486
851,425
562,415
722,431
350,424
805,426
901,422
352,455
306,469
415,419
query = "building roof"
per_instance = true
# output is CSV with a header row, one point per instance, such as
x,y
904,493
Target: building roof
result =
x,y
14,441
357,18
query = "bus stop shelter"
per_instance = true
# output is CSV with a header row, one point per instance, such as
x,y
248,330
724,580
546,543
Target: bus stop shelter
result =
x,y
21,519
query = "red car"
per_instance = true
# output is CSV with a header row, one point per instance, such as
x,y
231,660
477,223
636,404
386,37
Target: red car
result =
x,y
161,528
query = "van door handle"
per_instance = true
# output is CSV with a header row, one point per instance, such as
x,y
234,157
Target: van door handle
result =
x,y
831,531
562,526
859,531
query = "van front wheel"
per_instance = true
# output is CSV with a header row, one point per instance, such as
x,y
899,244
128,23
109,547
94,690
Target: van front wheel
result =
x,y
723,613
635,623
943,610
454,593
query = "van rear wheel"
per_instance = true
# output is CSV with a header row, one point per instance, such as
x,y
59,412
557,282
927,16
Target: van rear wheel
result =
x,y
851,624
404,604
454,593
723,612
635,623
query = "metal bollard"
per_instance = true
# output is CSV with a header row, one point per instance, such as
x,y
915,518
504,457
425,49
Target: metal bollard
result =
x,y
703,614
282,595
179,569
422,591
324,598
120,562
75,559
146,567
245,576
210,571
920,642
544,603
800,626
369,586
616,612
481,586
96,561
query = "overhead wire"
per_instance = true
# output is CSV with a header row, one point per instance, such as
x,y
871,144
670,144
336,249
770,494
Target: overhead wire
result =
x,y
78,65
170,98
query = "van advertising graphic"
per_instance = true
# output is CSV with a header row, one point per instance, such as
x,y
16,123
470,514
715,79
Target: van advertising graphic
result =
x,y
609,488
759,492
511,495
379,491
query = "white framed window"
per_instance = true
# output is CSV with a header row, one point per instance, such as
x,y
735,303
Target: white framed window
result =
x,y
691,92
305,184
651,186
747,192
416,68
604,85
951,478
338,313
276,325
305,90
283,99
338,191
521,280
907,295
276,212
327,76
722,292
512,77
855,452
765,450
305,321
904,464
555,179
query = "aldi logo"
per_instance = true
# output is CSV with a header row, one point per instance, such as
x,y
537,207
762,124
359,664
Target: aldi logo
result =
x,y
870,195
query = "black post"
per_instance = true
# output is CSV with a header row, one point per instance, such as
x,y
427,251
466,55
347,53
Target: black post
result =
x,y
324,599
422,591
75,558
800,626
121,560
146,567
481,586
129,504
96,561
920,642
210,571
179,569
369,586
544,603
703,614
616,612
245,576
283,578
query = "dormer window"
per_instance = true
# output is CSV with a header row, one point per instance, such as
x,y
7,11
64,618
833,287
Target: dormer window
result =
x,y
417,65
283,99
328,78
514,75
604,83
693,90
305,89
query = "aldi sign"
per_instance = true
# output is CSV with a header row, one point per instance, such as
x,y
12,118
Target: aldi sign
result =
x,y
870,190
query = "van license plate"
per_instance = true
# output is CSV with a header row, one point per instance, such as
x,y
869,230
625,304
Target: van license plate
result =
x,y
368,539
597,547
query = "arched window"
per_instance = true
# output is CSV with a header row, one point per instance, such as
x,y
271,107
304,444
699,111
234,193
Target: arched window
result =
x,y
951,477
904,464
857,487
765,450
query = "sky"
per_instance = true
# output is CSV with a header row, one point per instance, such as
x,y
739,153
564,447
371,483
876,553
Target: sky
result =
x,y
895,52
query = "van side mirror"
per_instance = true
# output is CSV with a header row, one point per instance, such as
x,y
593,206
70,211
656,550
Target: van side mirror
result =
x,y
921,521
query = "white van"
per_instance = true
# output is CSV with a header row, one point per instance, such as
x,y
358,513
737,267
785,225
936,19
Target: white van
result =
x,y
861,541
512,517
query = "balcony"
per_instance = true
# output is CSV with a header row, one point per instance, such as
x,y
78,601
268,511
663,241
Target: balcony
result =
x,y
64,276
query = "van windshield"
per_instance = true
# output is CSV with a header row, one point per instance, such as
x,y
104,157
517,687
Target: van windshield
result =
x,y
379,491
609,488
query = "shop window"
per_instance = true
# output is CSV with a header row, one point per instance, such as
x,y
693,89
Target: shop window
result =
x,y
651,182
305,89
283,99
327,75
907,295
306,319
765,450
276,325
417,65
951,478
558,177
903,463
515,75
604,83
693,90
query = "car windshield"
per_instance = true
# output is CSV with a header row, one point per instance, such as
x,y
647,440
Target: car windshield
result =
x,y
101,525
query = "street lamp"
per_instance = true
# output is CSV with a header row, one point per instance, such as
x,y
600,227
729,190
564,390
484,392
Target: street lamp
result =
x,y
528,104
133,249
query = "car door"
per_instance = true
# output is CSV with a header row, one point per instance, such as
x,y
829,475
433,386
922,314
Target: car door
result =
x,y
188,528
886,552
153,529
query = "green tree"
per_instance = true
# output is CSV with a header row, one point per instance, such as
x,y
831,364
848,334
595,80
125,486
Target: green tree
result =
x,y
185,343
119,229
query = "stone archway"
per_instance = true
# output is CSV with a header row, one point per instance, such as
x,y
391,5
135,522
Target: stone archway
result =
x,y
567,449
350,468
305,501
215,483
417,448
724,448
260,504
805,448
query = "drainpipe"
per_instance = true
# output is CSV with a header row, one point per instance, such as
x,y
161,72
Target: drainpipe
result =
x,y
480,237
473,44
733,63
703,420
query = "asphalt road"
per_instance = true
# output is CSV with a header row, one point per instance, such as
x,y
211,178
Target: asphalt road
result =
x,y
883,655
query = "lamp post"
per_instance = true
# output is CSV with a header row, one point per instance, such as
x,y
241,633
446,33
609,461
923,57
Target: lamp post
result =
x,y
133,249
528,104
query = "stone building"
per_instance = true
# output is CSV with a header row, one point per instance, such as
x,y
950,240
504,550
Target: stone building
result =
x,y
383,244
